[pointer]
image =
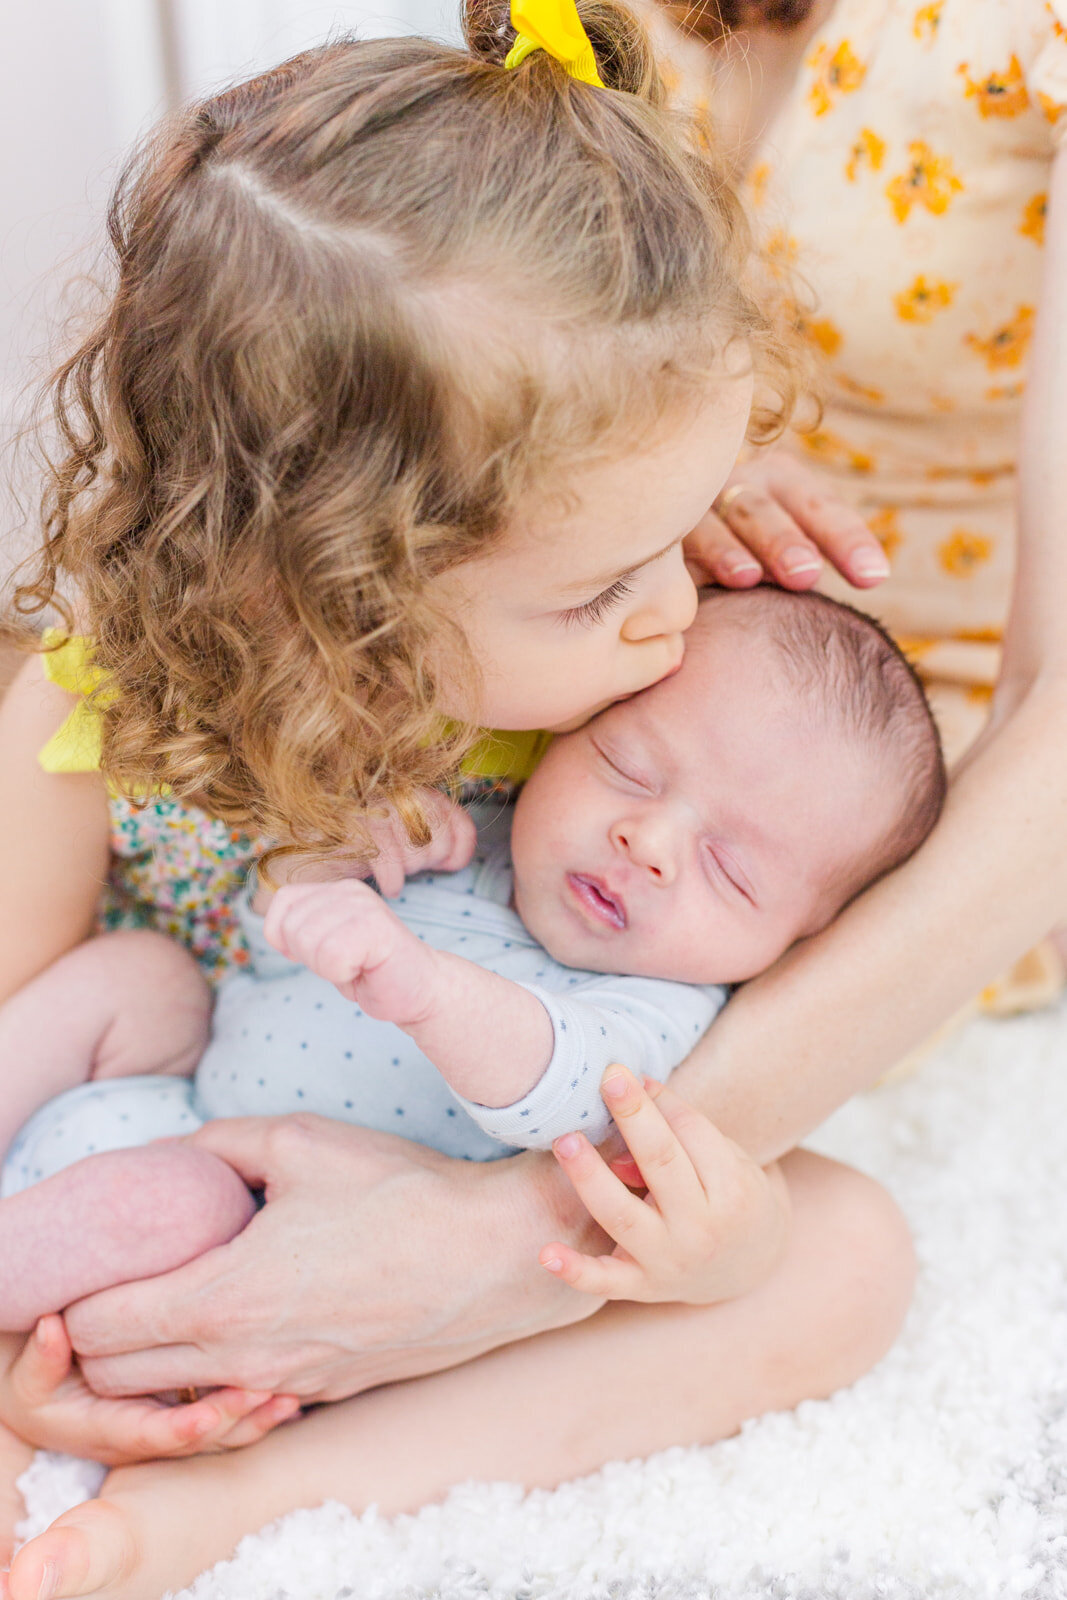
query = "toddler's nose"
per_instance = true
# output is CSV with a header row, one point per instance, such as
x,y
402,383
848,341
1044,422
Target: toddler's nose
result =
x,y
670,609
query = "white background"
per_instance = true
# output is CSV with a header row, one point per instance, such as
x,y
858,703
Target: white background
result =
x,y
79,80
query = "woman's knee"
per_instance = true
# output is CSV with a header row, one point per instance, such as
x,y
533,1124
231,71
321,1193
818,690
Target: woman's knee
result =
x,y
854,1247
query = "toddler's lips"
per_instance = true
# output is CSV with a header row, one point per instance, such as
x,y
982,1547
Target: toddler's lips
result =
x,y
595,898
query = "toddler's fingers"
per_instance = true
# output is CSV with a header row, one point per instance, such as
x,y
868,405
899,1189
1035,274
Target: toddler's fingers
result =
x,y
623,1217
257,1424
661,1156
43,1363
716,1161
606,1277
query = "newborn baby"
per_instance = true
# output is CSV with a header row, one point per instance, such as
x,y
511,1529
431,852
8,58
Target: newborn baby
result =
x,y
678,843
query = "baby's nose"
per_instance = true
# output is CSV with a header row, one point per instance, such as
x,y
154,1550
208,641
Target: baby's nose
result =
x,y
647,845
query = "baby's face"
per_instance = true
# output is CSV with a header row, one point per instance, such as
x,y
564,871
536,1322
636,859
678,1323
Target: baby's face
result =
x,y
699,829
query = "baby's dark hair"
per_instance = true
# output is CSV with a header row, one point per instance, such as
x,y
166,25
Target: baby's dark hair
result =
x,y
854,673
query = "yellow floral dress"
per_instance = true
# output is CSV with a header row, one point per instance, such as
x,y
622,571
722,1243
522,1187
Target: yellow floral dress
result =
x,y
900,193
178,870
904,181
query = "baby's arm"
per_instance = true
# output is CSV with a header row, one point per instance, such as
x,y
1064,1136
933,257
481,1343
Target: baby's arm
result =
x,y
347,934
526,1062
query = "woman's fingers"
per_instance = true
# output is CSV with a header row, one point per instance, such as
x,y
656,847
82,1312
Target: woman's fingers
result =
x,y
838,531
762,525
712,551
606,1277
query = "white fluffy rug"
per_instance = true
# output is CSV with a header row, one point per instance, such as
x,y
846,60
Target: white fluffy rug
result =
x,y
943,1474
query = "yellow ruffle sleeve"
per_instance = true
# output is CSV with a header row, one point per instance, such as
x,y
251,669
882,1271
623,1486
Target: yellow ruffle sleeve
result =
x,y
67,662
76,746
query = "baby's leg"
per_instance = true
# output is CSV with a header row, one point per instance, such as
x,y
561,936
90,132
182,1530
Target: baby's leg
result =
x,y
117,1006
627,1382
111,1218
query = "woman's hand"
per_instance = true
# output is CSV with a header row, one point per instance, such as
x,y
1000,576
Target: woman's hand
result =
x,y
45,1401
712,1224
776,519
373,1259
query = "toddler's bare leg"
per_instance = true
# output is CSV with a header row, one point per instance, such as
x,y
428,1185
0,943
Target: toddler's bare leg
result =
x,y
109,1219
630,1381
117,1006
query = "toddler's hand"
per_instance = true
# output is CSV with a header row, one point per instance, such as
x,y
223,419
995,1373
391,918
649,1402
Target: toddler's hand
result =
x,y
776,519
45,1400
348,935
449,850
712,1224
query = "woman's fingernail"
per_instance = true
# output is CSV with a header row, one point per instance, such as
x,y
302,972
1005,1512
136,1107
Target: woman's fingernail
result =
x,y
614,1084
796,561
49,1581
739,566
871,564
568,1145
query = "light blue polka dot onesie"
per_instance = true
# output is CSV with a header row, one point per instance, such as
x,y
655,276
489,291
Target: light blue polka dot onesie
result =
x,y
285,1040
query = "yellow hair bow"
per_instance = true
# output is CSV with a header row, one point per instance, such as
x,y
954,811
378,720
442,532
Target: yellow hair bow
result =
x,y
555,26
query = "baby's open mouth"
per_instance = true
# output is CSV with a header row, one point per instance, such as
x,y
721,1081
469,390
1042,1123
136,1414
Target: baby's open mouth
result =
x,y
597,899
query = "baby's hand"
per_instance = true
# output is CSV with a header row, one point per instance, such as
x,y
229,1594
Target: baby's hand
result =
x,y
775,520
45,1400
712,1224
348,935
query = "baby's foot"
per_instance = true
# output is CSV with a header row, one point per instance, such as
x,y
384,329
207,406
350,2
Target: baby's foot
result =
x,y
15,1457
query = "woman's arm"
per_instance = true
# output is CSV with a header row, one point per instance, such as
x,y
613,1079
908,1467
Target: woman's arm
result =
x,y
992,878
53,835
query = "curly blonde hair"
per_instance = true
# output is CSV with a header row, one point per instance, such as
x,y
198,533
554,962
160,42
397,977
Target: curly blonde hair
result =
x,y
362,303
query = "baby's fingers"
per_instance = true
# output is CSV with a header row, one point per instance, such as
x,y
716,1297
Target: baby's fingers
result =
x,y
606,1277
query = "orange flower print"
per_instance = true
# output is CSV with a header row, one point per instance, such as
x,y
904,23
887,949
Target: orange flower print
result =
x,y
930,181
999,94
836,72
827,446
962,553
822,334
781,251
885,526
1033,224
859,391
758,180
923,299
1003,391
1053,109
979,635
927,20
1005,346
868,151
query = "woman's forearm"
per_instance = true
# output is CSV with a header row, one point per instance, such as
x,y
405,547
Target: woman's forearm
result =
x,y
842,1008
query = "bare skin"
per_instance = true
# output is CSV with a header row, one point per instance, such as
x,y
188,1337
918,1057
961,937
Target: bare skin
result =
x,y
823,1317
